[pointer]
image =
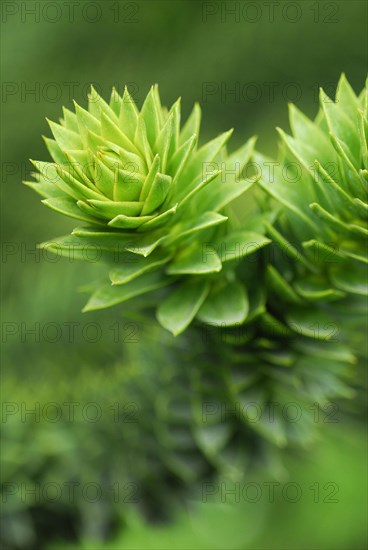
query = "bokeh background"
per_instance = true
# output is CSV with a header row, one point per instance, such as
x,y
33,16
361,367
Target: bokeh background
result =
x,y
244,61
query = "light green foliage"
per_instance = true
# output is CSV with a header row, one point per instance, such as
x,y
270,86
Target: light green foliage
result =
x,y
320,184
154,203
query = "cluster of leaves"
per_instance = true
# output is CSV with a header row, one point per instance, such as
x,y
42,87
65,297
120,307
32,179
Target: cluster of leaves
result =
x,y
316,272
320,184
152,199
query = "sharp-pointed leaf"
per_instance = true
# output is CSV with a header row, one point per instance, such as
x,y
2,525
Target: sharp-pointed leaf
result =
x,y
225,306
134,266
195,260
180,308
109,295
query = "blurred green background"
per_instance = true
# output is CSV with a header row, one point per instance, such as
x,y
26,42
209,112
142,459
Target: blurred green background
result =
x,y
244,61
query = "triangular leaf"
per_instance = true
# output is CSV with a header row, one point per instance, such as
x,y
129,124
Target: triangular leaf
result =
x,y
195,260
107,295
135,266
180,308
226,305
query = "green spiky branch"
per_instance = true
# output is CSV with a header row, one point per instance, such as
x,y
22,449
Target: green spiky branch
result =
x,y
154,202
271,301
324,213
